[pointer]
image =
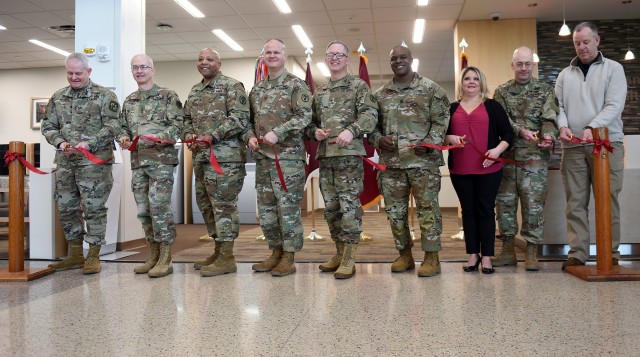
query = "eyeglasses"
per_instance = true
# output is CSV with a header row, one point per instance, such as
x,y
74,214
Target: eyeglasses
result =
x,y
142,67
524,64
337,55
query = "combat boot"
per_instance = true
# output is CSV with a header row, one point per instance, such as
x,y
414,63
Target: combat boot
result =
x,y
74,260
270,262
92,263
530,257
154,254
507,255
404,262
334,263
208,260
430,266
347,267
225,263
163,267
286,265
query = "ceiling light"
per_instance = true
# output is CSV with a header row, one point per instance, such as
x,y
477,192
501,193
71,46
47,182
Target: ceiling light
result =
x,y
323,69
423,2
564,30
415,64
629,55
192,10
536,59
49,47
302,36
282,6
418,30
228,40
2,28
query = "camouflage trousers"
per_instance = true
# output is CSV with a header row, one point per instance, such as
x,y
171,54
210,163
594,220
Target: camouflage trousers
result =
x,y
81,195
217,198
278,210
528,184
152,187
395,185
341,183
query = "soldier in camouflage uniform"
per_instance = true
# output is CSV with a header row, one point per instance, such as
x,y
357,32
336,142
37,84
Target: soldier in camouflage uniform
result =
x,y
83,115
532,108
217,112
280,110
413,110
344,110
152,112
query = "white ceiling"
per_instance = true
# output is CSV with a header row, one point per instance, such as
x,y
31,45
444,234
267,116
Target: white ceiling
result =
x,y
379,24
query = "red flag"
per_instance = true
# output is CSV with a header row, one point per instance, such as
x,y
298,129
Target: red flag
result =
x,y
261,70
370,196
311,146
464,61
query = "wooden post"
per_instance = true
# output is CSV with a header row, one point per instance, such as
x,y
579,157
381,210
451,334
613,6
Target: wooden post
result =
x,y
16,271
604,270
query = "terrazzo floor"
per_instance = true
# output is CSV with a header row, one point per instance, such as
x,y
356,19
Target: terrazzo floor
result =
x,y
510,313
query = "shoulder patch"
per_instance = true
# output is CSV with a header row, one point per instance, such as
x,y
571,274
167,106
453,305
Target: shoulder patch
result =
x,y
243,100
305,98
114,106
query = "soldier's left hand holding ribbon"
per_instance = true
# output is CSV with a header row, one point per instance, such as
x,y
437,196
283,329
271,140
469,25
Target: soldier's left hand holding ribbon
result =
x,y
125,142
148,139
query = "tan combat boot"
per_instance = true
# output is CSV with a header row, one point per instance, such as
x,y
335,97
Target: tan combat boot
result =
x,y
163,267
334,263
74,260
270,262
404,262
225,263
208,260
92,263
507,255
530,257
286,265
154,254
430,266
347,267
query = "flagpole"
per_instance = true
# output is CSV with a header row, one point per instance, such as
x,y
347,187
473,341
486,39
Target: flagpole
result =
x,y
364,237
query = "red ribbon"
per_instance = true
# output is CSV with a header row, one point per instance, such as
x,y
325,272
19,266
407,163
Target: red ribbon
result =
x,y
598,144
134,143
434,146
280,174
376,165
213,161
96,160
10,156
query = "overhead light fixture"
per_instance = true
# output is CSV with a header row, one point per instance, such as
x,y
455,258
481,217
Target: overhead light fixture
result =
x,y
302,36
2,28
564,30
323,69
228,40
423,2
536,59
629,55
49,47
415,64
282,6
192,10
418,30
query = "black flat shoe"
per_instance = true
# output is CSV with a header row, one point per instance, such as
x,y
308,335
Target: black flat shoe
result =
x,y
471,268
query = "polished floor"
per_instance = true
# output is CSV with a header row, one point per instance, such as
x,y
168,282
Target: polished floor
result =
x,y
510,313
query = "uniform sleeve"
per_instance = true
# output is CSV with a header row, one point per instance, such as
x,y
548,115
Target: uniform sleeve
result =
x,y
187,124
125,126
301,106
366,111
505,131
439,117
561,119
248,131
499,97
51,126
549,114
175,117
310,130
110,116
237,113
375,136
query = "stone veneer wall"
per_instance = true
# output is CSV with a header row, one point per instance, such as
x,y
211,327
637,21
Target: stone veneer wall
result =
x,y
556,52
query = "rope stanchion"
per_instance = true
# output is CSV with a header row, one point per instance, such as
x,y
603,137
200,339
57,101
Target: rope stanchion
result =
x,y
16,270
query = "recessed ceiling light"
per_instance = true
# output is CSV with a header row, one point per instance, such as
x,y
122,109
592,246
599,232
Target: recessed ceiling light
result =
x,y
227,39
49,47
282,6
418,30
192,10
302,36
2,28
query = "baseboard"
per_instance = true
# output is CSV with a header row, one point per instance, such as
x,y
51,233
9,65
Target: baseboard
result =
x,y
132,244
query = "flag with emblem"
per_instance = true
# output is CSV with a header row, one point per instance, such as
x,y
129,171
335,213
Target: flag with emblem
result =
x,y
311,146
464,61
261,71
370,195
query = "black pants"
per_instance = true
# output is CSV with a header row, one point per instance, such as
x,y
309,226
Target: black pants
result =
x,y
477,195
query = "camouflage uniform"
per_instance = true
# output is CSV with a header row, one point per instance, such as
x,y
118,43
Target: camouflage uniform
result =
x,y
532,106
89,114
219,109
281,105
416,114
156,111
338,105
